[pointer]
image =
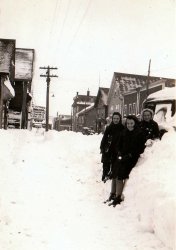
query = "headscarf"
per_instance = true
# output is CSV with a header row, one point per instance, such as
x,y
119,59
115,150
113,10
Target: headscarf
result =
x,y
147,110
117,113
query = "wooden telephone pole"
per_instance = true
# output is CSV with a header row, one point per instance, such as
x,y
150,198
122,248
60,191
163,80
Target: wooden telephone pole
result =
x,y
48,76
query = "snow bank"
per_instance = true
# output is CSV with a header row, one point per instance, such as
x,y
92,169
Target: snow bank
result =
x,y
151,190
51,195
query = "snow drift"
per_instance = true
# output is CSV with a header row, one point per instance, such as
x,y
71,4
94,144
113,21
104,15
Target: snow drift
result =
x,y
51,195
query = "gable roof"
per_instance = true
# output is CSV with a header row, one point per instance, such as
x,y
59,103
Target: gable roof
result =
x,y
128,82
103,95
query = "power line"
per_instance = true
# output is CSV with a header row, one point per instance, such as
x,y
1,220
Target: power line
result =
x,y
81,22
52,22
65,18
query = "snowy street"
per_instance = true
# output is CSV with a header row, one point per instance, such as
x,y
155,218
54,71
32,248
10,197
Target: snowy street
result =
x,y
51,195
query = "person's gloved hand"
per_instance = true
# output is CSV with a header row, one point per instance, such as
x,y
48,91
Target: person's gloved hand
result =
x,y
149,143
124,157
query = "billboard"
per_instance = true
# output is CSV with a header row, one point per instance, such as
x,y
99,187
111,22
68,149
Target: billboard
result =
x,y
24,64
7,57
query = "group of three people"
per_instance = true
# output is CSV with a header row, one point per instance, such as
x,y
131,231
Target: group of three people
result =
x,y
121,147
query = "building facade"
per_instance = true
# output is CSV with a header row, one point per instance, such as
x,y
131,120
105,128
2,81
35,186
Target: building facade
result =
x,y
7,74
86,118
80,102
128,92
101,108
24,59
62,122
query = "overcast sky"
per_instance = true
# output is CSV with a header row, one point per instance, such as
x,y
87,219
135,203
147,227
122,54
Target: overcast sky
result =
x,y
88,40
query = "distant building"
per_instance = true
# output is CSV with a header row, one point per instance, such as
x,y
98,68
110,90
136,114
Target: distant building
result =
x,y
128,92
80,102
38,114
101,108
62,122
86,118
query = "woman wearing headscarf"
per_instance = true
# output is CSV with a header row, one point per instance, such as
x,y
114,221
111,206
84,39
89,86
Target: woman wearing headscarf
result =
x,y
108,142
129,148
148,125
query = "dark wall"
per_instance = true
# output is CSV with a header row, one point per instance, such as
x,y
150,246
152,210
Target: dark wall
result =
x,y
16,102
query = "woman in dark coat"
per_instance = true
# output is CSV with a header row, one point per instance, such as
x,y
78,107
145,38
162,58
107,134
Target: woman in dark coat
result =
x,y
129,148
108,142
148,125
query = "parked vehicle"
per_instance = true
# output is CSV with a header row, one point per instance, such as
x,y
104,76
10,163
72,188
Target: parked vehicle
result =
x,y
87,131
163,103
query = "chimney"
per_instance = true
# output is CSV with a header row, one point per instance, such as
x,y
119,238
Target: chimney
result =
x,y
77,93
88,93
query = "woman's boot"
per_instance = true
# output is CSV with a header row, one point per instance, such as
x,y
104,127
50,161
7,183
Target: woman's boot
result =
x,y
116,201
111,197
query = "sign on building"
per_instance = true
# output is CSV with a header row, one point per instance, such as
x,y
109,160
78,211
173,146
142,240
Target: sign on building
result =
x,y
7,57
24,64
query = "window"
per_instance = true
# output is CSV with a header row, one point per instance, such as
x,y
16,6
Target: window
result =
x,y
125,110
120,108
130,109
112,107
134,108
117,107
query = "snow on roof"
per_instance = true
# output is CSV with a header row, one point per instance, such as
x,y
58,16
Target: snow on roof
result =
x,y
164,94
86,109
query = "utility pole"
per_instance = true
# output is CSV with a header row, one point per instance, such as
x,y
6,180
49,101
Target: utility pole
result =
x,y
148,78
23,118
48,76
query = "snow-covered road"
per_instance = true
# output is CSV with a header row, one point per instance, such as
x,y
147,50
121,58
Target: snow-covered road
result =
x,y
51,197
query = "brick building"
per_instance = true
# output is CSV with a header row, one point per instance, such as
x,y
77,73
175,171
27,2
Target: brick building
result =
x,y
86,118
80,102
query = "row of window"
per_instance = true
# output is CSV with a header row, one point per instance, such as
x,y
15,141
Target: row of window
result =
x,y
117,108
127,110
130,109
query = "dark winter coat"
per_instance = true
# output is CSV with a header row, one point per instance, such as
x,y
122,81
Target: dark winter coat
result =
x,y
131,145
150,129
109,141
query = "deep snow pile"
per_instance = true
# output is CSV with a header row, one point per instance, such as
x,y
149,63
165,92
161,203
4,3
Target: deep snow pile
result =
x,y
153,193
51,195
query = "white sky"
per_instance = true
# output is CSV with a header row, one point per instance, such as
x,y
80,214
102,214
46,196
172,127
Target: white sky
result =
x,y
51,195
90,39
